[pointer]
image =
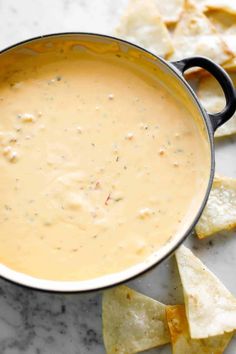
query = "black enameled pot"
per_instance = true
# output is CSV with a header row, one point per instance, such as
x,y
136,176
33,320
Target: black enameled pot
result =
x,y
172,73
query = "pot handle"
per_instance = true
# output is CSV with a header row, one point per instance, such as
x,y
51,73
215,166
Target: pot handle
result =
x,y
224,80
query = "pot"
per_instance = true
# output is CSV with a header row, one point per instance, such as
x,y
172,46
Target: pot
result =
x,y
173,73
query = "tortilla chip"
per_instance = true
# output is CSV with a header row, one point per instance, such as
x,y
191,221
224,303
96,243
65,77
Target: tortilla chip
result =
x,y
132,322
225,5
210,307
225,23
170,10
142,24
230,65
212,99
220,211
195,35
182,343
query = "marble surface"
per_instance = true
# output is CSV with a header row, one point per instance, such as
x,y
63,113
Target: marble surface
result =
x,y
33,322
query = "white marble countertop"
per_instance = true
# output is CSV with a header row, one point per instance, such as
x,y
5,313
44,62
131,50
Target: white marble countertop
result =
x,y
33,322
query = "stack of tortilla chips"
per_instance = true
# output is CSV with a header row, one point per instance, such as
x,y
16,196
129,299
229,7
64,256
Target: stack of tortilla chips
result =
x,y
204,324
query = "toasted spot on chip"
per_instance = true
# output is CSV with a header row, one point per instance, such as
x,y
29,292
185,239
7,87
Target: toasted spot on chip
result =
x,y
212,98
220,211
195,35
210,307
224,5
182,343
132,322
142,24
170,10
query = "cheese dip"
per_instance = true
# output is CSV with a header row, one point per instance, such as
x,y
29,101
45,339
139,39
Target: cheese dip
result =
x,y
100,164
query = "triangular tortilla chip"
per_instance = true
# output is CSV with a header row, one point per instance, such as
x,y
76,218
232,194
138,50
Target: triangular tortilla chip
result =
x,y
142,24
212,99
132,322
225,5
195,35
220,211
210,307
225,23
182,343
170,10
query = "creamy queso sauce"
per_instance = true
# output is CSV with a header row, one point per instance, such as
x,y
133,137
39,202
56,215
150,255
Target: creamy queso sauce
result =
x,y
100,166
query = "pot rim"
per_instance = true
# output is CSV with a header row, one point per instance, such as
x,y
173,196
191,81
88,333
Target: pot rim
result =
x,y
136,271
